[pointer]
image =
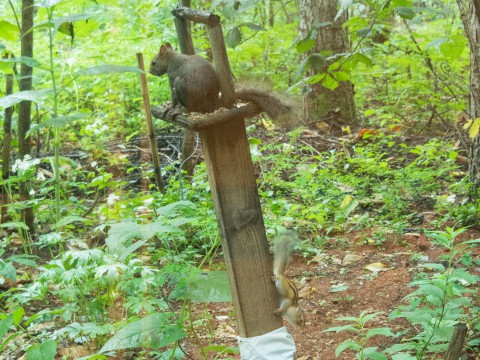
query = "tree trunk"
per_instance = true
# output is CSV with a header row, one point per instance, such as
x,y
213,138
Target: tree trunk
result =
x,y
24,108
336,107
471,23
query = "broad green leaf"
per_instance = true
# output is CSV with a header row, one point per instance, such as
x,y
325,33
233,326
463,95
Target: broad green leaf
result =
x,y
405,12
317,61
304,45
121,236
107,69
341,76
338,329
346,345
149,332
433,266
23,59
372,353
5,325
15,225
17,316
8,31
473,131
380,331
453,47
403,356
57,122
329,82
68,220
30,95
211,286
254,27
24,259
222,349
43,351
8,270
68,19
348,205
47,3
234,37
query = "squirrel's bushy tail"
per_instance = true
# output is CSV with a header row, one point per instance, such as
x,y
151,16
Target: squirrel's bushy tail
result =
x,y
276,105
283,246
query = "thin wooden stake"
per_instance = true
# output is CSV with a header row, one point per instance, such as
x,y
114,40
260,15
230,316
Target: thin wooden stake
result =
x,y
454,351
151,130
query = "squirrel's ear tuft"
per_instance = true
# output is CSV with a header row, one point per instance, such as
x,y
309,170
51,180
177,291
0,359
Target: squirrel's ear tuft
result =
x,y
163,49
168,45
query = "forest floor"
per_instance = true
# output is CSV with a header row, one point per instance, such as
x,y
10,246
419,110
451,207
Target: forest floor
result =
x,y
368,290
375,274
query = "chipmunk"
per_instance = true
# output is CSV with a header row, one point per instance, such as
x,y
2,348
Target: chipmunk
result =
x,y
283,247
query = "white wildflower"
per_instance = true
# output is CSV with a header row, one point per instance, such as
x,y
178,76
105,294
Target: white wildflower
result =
x,y
25,164
40,176
32,192
93,164
112,199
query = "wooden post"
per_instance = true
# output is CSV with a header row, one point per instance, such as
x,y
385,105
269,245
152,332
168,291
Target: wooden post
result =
x,y
455,347
157,167
239,217
235,196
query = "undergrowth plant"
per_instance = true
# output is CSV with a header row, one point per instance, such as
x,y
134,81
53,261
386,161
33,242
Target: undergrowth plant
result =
x,y
444,295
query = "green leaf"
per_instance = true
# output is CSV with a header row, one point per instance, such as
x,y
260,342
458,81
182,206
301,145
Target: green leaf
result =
x,y
23,59
453,47
338,329
43,351
24,259
17,316
120,235
30,95
254,27
148,332
69,19
107,69
339,288
405,12
346,345
47,3
211,286
329,82
8,270
433,266
304,45
222,349
68,220
317,61
15,225
5,325
9,31
380,331
57,122
234,37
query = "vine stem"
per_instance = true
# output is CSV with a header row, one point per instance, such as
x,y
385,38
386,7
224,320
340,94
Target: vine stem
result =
x,y
56,141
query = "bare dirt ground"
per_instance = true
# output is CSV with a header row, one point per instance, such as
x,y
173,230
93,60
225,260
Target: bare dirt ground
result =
x,y
370,291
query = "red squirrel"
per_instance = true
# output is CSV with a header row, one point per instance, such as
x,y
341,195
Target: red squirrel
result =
x,y
194,85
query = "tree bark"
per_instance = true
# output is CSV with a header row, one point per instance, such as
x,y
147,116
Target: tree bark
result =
x,y
469,12
337,106
24,108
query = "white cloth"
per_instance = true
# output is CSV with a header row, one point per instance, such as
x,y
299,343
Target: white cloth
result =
x,y
275,345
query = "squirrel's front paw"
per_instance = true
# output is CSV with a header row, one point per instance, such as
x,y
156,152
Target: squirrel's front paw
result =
x,y
276,311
